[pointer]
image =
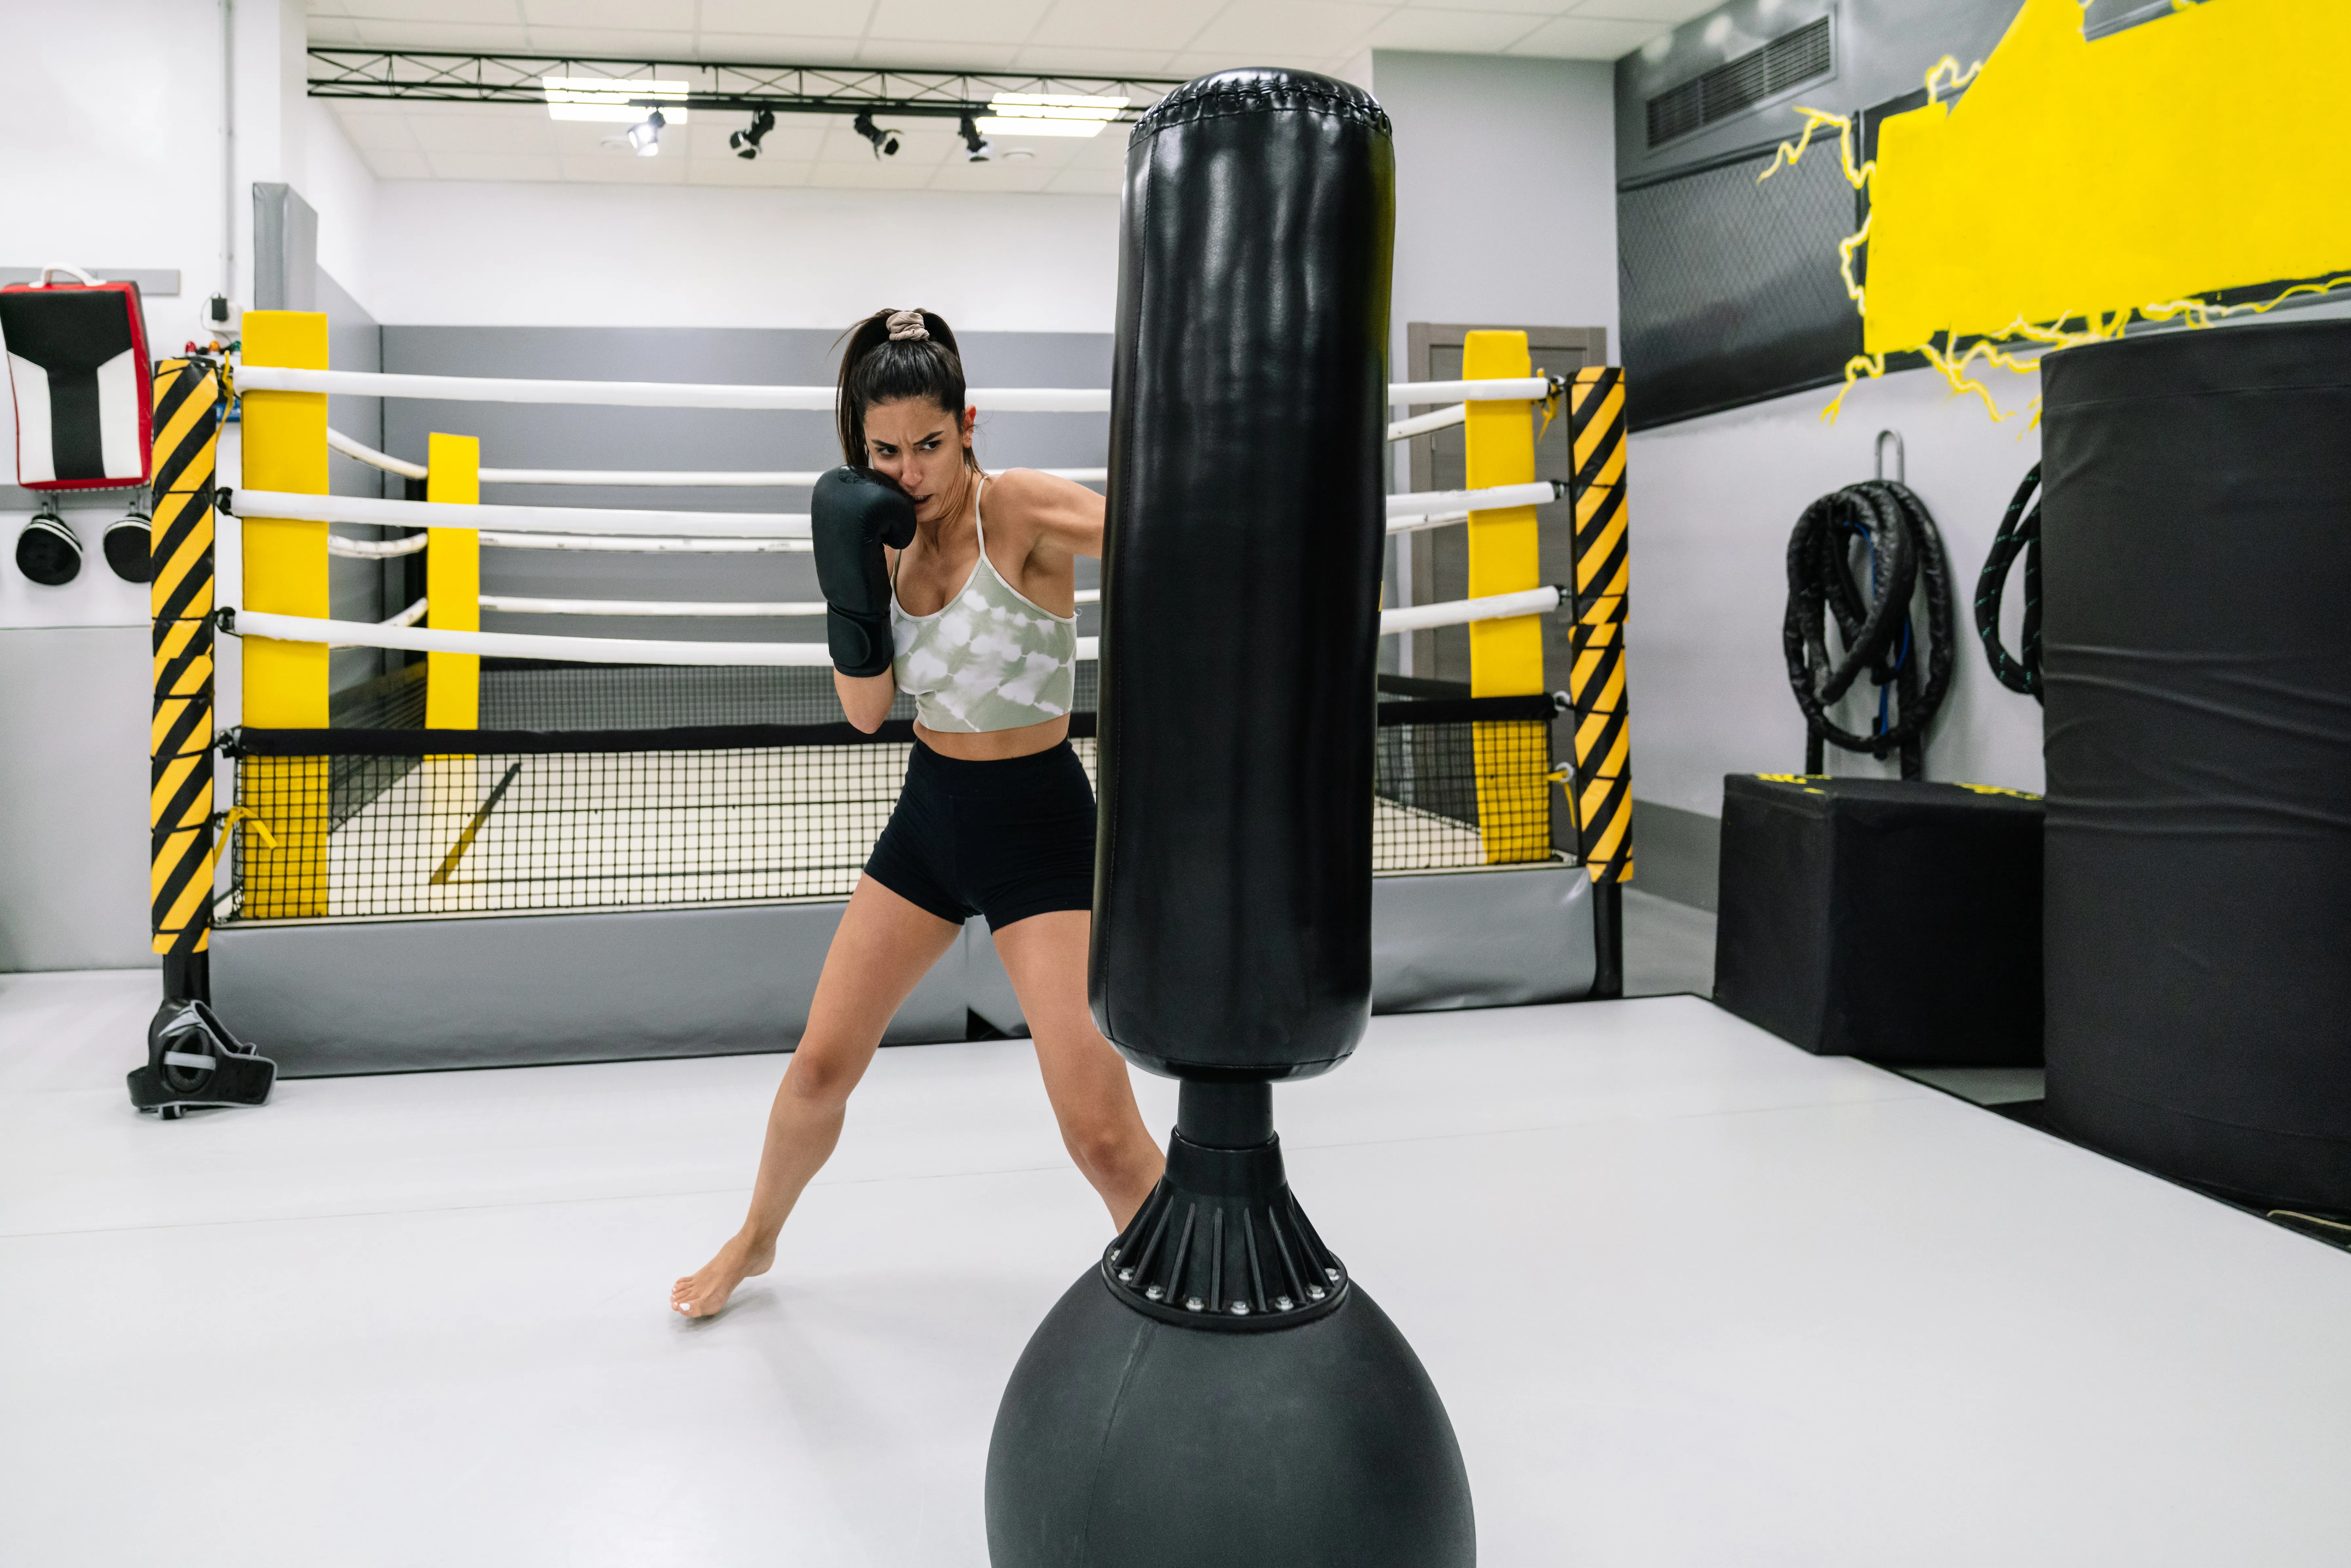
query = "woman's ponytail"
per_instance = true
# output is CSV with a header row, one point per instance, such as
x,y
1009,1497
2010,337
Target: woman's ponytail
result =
x,y
892,355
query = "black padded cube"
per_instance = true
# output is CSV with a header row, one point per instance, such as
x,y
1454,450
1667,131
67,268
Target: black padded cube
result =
x,y
1897,921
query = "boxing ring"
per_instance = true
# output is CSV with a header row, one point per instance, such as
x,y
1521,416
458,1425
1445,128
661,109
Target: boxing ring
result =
x,y
532,847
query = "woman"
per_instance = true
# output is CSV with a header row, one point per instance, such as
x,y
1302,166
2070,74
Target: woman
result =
x,y
995,817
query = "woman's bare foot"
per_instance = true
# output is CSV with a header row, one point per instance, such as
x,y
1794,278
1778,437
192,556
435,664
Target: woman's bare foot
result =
x,y
703,1294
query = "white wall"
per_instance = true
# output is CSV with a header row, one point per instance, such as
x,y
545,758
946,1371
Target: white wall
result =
x,y
1713,501
481,254
1506,190
114,112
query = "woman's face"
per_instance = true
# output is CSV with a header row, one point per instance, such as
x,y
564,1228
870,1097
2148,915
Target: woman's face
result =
x,y
921,445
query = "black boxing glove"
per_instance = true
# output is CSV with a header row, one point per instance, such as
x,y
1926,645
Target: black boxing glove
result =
x,y
854,513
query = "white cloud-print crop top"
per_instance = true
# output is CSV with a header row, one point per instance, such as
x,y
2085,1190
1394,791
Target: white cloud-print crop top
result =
x,y
989,659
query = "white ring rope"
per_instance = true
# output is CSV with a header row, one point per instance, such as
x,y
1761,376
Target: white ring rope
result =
x,y
688,394
517,520
498,525
1421,425
514,605
492,540
521,645
1426,503
343,443
1461,612
375,550
788,478
633,394
1503,389
644,650
743,610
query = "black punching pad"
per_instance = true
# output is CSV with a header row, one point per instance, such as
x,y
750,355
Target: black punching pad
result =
x,y
1232,888
2196,587
1123,1440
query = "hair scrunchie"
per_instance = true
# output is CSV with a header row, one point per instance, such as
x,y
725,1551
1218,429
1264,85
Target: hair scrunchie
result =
x,y
906,325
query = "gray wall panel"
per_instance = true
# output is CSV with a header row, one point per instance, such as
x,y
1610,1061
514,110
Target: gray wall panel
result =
x,y
423,995
73,841
420,995
1481,939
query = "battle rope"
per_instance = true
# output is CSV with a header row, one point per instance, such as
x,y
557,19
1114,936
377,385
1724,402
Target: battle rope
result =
x,y
2021,673
1905,553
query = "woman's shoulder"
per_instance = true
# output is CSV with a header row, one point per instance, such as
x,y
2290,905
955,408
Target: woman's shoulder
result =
x,y
1023,488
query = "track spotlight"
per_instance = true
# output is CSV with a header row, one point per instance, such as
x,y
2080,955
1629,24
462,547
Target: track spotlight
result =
x,y
645,136
47,552
976,147
746,142
126,544
885,142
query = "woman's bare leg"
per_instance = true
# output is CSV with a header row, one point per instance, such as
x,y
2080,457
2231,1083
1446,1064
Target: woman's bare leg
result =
x,y
883,948
1085,1077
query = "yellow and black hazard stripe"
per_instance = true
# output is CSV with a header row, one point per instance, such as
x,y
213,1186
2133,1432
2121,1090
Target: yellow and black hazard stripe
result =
x,y
179,785
1604,745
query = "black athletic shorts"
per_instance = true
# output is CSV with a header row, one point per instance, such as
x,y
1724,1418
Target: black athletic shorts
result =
x,y
1006,840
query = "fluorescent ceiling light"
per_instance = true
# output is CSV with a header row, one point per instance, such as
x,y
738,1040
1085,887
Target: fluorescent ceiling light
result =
x,y
607,99
1049,114
999,125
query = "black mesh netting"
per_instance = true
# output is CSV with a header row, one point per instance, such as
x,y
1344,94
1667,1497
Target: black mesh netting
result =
x,y
1730,288
356,822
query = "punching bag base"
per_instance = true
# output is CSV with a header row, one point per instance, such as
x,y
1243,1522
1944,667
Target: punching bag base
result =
x,y
1125,1441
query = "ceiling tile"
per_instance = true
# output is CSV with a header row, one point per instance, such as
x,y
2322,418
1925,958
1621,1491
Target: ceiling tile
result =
x,y
1526,7
1200,63
1322,29
913,56
399,35
1454,32
778,48
622,170
889,176
1585,38
373,127
495,166
391,163
629,45
1666,11
991,177
785,19
793,140
474,12
1165,25
661,16
768,172
917,147
1085,182
485,128
944,22
1093,62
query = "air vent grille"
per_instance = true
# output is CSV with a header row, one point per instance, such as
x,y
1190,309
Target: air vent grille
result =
x,y
1734,86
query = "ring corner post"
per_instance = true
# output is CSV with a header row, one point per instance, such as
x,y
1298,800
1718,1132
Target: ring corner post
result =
x,y
286,684
453,584
1506,656
186,436
1602,789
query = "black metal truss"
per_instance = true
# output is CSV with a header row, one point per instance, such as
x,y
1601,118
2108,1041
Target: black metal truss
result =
x,y
437,76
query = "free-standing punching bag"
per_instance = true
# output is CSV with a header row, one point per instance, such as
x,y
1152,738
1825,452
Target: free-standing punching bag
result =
x,y
2196,648
1216,1389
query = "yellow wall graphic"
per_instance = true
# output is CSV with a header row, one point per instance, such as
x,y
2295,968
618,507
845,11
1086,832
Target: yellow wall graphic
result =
x,y
2080,185
2199,151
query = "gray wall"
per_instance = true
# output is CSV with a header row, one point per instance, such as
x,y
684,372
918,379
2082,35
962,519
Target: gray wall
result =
x,y
527,435
74,704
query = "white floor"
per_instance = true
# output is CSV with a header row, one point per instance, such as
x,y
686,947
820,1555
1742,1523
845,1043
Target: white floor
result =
x,y
1693,1297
